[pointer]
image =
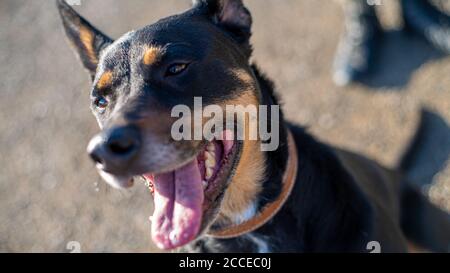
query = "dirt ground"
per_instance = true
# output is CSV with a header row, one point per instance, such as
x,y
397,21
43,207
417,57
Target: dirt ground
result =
x,y
50,193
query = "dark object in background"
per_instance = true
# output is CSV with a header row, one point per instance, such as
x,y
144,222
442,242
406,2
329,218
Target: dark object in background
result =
x,y
357,46
359,43
423,18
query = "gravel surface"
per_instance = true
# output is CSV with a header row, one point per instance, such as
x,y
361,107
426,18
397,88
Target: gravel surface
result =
x,y
50,193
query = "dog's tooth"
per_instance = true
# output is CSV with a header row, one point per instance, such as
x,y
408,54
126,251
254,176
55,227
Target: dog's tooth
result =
x,y
210,162
209,173
205,184
210,159
209,154
211,147
174,238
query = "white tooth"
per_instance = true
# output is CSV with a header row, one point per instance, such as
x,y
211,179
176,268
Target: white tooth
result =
x,y
173,238
205,184
211,147
209,173
209,154
210,159
210,162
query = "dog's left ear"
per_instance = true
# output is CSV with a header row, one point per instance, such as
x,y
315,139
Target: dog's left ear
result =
x,y
231,15
86,39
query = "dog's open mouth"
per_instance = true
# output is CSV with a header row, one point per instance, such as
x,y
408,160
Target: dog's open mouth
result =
x,y
183,196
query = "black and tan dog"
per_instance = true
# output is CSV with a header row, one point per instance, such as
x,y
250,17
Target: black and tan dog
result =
x,y
228,195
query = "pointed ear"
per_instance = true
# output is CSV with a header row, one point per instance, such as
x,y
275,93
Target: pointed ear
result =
x,y
85,38
231,15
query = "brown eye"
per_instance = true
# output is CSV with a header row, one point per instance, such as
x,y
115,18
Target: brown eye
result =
x,y
101,103
176,69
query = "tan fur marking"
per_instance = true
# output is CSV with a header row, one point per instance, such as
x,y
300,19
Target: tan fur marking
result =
x,y
87,38
105,80
246,184
151,55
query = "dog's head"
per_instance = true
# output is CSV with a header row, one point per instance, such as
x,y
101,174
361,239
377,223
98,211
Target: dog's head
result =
x,y
139,79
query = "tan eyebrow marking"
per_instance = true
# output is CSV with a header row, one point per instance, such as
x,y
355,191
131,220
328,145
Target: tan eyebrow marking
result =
x,y
152,55
105,80
87,38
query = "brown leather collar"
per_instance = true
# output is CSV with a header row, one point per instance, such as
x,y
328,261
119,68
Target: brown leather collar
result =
x,y
271,209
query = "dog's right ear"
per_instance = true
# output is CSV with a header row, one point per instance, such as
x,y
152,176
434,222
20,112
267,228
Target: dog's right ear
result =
x,y
86,39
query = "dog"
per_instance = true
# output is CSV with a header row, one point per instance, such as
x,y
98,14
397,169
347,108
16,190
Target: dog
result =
x,y
227,194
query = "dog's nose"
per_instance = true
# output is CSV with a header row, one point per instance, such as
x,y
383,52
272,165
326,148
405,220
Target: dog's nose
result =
x,y
113,149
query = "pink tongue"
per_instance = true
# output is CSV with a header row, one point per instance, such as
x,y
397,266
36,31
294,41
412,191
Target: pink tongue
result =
x,y
178,198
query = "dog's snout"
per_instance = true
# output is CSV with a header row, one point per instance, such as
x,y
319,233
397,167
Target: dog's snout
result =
x,y
123,141
113,149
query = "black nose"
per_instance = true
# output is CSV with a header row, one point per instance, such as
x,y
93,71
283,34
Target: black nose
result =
x,y
113,149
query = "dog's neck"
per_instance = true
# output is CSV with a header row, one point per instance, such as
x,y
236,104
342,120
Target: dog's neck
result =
x,y
276,160
258,179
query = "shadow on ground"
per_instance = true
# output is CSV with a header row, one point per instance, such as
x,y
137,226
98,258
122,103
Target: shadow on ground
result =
x,y
430,149
400,54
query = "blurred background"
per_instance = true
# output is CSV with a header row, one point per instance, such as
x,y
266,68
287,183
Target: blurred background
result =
x,y
50,193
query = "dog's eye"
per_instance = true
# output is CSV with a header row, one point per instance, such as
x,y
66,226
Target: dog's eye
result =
x,y
176,69
101,103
